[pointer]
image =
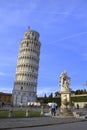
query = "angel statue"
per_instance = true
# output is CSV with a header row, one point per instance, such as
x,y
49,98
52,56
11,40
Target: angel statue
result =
x,y
64,80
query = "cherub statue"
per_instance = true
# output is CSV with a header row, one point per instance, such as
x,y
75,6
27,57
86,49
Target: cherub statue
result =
x,y
64,80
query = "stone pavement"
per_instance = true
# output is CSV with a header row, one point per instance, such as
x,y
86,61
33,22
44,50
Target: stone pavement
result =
x,y
15,123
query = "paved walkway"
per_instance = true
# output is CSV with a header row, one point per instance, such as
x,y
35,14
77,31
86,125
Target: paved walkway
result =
x,y
13,123
16,123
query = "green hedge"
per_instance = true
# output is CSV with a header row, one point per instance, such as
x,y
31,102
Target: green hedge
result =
x,y
46,100
79,99
58,99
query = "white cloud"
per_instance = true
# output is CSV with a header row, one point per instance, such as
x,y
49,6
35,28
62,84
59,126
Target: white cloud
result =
x,y
9,74
2,74
46,90
68,37
73,36
15,14
6,89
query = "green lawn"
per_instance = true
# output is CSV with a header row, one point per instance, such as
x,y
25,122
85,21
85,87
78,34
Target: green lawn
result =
x,y
19,113
3,114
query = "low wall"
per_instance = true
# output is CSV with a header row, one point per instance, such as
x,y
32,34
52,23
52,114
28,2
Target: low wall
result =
x,y
81,104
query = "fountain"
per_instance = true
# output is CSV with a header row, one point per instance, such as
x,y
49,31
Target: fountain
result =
x,y
65,109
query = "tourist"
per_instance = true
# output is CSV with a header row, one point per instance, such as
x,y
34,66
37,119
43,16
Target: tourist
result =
x,y
53,109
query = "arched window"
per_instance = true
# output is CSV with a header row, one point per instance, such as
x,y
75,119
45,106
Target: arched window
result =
x,y
27,44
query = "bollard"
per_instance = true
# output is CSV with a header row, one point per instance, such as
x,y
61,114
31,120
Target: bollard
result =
x,y
42,111
27,113
10,113
50,111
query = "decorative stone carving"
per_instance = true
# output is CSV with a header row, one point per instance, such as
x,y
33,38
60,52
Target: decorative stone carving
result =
x,y
64,81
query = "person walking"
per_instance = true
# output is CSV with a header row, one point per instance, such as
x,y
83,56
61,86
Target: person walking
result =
x,y
53,109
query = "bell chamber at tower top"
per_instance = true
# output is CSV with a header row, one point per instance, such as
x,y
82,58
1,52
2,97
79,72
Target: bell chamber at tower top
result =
x,y
32,35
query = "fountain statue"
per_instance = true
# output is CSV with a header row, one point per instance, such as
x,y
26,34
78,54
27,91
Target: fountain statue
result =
x,y
65,109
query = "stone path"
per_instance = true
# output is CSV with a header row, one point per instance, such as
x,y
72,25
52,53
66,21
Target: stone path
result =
x,y
13,123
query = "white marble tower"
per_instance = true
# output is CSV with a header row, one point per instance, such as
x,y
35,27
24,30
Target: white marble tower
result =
x,y
25,84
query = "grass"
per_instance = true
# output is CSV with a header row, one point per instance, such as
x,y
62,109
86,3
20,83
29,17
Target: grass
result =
x,y
3,114
19,113
34,113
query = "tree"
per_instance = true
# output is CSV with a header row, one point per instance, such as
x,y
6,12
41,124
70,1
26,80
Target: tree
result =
x,y
51,95
57,94
78,92
50,98
84,91
45,98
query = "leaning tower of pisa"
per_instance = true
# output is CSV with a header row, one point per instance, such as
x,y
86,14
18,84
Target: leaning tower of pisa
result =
x,y
25,83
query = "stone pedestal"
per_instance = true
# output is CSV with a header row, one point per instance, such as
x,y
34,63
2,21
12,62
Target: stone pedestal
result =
x,y
65,109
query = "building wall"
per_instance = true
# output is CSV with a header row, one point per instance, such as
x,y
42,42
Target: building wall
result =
x,y
5,98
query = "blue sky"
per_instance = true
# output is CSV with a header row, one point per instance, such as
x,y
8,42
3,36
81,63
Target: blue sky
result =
x,y
62,25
